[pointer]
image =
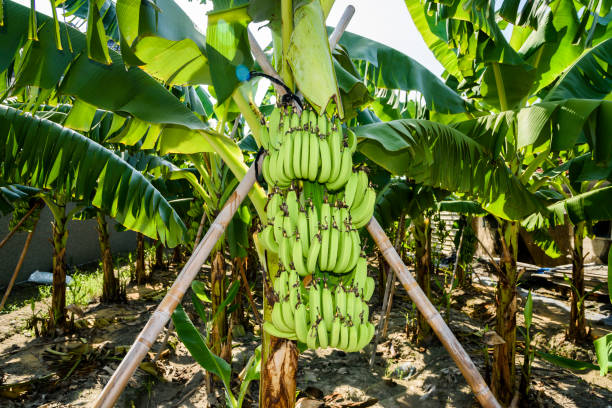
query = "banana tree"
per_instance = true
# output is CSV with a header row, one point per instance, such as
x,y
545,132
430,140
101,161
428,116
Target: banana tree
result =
x,y
70,167
578,190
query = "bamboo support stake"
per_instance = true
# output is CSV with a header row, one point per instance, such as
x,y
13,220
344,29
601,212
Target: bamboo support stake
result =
x,y
160,317
341,26
24,251
446,336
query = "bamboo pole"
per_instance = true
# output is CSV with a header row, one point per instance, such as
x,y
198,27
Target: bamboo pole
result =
x,y
24,251
341,27
21,221
160,317
446,336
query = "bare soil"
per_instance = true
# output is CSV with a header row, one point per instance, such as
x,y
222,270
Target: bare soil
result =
x,y
69,371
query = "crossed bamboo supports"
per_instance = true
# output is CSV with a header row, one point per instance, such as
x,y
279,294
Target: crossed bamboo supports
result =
x,y
161,316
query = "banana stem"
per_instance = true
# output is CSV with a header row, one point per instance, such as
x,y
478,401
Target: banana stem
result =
x,y
501,90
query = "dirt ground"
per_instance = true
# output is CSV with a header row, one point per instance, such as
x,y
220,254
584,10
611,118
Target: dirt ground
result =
x,y
70,371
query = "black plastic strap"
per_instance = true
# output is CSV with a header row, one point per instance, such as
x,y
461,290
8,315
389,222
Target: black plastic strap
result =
x,y
286,99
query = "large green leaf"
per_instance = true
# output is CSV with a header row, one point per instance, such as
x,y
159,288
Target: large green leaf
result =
x,y
564,362
603,350
443,157
589,77
310,57
558,55
227,46
161,39
71,72
431,30
395,70
195,343
42,154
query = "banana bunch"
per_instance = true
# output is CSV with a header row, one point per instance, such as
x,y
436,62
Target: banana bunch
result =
x,y
334,317
306,147
317,201
310,239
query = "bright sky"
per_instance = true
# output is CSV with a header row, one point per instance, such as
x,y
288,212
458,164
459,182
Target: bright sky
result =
x,y
389,24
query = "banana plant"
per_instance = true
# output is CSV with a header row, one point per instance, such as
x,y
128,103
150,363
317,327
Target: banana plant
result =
x,y
70,167
494,155
577,191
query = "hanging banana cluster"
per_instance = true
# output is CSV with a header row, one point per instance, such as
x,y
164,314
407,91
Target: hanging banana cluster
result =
x,y
317,202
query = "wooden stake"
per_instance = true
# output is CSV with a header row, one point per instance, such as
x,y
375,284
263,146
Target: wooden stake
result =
x,y
24,251
450,342
160,317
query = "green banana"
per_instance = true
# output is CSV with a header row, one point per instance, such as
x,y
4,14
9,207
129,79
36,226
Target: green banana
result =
x,y
353,338
273,204
326,222
279,222
313,220
276,332
293,285
293,207
265,170
313,154
313,118
362,214
351,140
369,288
351,188
327,305
335,150
345,171
340,300
264,137
274,126
345,242
302,229
284,251
306,156
313,254
365,312
334,241
311,341
277,318
298,259
344,335
305,118
301,323
334,337
360,190
297,153
287,151
322,124
295,121
271,168
287,312
364,336
350,305
357,309
267,238
355,250
323,338
289,225
325,160
314,301
283,179
361,274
